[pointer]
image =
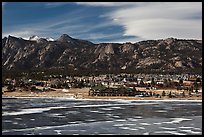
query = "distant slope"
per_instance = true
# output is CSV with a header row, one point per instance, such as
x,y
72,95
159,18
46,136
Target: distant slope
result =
x,y
151,56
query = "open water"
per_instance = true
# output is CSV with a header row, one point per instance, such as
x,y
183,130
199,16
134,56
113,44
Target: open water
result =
x,y
61,116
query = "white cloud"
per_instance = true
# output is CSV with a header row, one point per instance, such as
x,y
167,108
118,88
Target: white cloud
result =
x,y
152,20
155,20
161,20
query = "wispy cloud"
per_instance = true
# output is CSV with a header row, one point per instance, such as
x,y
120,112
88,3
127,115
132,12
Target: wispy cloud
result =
x,y
55,4
156,20
106,4
67,23
75,23
121,22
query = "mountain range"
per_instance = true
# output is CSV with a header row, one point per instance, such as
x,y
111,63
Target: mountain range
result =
x,y
169,55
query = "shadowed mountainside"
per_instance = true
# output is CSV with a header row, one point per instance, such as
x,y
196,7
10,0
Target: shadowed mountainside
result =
x,y
67,53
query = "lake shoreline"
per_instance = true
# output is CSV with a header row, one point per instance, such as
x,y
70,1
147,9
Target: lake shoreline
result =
x,y
105,99
77,93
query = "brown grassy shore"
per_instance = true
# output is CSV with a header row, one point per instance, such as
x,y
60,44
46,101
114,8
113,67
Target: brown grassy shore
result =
x,y
83,94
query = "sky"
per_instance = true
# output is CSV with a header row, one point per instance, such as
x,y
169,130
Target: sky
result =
x,y
101,22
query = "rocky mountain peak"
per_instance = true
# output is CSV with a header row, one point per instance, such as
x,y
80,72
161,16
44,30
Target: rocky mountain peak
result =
x,y
4,39
12,38
170,40
64,38
34,38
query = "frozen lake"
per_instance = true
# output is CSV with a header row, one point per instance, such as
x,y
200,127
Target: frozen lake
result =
x,y
60,116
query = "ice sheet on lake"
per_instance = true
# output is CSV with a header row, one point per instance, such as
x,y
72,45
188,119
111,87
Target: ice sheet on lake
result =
x,y
30,111
169,132
191,132
176,120
95,117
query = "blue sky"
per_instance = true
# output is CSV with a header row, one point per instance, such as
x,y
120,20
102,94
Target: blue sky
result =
x,y
103,21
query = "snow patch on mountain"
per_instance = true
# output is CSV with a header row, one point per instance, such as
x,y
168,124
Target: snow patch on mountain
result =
x,y
35,38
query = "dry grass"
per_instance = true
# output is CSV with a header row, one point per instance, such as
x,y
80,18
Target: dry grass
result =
x,y
83,94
